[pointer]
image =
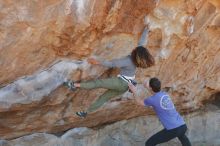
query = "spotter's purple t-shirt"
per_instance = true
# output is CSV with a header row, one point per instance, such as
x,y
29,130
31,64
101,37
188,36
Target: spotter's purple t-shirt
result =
x,y
165,110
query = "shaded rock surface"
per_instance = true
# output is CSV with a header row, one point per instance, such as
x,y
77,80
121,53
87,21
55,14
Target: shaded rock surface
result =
x,y
202,130
44,42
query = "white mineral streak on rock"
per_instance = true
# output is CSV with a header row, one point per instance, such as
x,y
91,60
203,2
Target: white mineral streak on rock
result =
x,y
67,9
80,9
191,26
35,87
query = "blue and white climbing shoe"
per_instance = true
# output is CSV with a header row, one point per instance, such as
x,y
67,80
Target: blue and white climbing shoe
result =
x,y
69,84
81,114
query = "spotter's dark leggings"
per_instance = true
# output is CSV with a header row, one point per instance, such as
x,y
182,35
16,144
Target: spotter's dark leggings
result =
x,y
166,135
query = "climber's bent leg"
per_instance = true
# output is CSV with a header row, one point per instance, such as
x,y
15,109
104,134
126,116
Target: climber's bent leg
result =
x,y
106,96
115,86
99,102
109,94
114,83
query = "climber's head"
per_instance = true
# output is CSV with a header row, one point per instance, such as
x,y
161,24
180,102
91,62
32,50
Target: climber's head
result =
x,y
155,85
142,57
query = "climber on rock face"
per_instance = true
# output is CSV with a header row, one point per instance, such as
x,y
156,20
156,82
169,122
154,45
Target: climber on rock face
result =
x,y
139,57
174,125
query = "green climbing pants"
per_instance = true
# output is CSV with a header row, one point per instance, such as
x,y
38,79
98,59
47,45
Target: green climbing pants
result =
x,y
115,85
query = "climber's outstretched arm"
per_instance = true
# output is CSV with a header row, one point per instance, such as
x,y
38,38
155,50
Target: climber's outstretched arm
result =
x,y
144,37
